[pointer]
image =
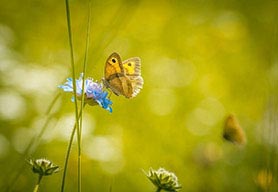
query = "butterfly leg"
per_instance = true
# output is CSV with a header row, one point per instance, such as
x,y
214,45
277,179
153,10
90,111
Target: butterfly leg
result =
x,y
110,93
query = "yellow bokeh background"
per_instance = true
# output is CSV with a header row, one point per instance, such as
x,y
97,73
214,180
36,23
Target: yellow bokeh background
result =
x,y
201,61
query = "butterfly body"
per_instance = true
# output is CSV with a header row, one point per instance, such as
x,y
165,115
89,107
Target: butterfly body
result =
x,y
123,78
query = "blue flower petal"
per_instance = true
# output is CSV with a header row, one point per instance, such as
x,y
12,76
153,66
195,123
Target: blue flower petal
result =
x,y
93,91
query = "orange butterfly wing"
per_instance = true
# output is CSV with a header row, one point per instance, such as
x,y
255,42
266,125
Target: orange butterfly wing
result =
x,y
123,78
132,68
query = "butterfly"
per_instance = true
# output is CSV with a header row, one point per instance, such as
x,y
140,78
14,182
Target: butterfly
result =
x,y
233,132
123,78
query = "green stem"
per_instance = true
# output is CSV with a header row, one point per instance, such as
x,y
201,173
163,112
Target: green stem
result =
x,y
158,189
68,153
75,99
36,189
67,158
83,97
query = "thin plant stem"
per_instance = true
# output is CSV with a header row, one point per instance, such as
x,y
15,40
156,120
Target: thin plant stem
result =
x,y
83,97
67,158
36,189
74,93
72,62
68,153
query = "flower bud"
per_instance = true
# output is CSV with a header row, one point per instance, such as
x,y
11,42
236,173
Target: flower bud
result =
x,y
43,167
164,180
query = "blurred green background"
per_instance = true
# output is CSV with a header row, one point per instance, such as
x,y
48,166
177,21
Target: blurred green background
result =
x,y
201,60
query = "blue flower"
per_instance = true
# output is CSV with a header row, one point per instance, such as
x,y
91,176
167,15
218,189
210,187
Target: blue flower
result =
x,y
93,91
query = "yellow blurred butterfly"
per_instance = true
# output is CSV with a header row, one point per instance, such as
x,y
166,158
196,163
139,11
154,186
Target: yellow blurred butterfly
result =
x,y
123,78
233,132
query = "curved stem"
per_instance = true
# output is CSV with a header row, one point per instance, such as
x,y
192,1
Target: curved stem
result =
x,y
68,153
83,97
36,189
76,126
67,158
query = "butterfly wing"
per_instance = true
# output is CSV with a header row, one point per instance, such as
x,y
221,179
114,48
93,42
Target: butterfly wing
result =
x,y
132,66
113,67
115,78
112,72
132,69
233,132
123,78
